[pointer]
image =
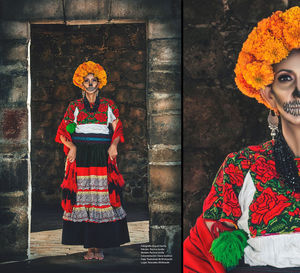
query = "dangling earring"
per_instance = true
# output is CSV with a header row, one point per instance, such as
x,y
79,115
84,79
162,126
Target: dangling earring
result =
x,y
83,94
273,122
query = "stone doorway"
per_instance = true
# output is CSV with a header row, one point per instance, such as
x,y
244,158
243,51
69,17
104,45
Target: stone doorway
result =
x,y
56,51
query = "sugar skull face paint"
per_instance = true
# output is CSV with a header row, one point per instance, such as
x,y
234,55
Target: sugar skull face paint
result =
x,y
90,83
292,107
285,88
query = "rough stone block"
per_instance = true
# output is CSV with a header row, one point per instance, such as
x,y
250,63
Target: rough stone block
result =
x,y
164,153
18,91
157,235
165,54
14,236
159,103
14,124
165,129
161,29
198,12
132,96
13,199
142,9
16,69
169,236
14,30
13,149
164,214
31,10
253,11
165,178
168,82
13,52
13,175
87,9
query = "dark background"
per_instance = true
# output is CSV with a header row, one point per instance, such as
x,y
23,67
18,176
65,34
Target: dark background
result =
x,y
217,118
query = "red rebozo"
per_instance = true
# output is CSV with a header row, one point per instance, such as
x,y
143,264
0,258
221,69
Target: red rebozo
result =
x,y
196,255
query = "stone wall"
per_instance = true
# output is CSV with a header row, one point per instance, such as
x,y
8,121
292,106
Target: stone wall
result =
x,y
217,118
162,19
13,139
56,51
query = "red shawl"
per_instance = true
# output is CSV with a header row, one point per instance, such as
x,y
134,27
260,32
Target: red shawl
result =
x,y
196,255
69,184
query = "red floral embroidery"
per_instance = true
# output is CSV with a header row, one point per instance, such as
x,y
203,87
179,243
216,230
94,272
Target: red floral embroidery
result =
x,y
116,112
81,116
102,108
246,164
231,203
268,205
235,174
210,199
253,231
101,117
295,212
264,170
220,178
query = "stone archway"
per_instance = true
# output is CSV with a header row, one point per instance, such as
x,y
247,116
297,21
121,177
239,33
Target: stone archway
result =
x,y
163,98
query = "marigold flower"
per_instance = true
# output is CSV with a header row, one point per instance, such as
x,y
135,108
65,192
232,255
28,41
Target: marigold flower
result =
x,y
267,44
258,75
89,68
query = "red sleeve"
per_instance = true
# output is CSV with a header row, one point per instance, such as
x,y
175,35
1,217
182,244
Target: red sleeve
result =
x,y
62,128
196,255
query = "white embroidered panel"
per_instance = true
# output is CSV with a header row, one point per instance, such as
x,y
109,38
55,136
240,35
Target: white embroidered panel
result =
x,y
92,129
281,250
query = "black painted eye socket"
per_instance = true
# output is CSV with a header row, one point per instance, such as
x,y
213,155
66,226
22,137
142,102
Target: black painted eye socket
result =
x,y
285,78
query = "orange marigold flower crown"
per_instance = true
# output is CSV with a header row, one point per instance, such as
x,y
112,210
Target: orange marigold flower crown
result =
x,y
89,68
269,43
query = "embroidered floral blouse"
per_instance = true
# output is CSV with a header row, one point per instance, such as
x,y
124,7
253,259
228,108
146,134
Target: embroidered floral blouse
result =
x,y
272,207
91,123
106,109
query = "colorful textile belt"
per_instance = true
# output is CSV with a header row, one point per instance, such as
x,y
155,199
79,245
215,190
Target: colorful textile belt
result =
x,y
91,138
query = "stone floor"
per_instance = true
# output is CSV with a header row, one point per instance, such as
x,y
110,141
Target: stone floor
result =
x,y
48,243
48,255
45,236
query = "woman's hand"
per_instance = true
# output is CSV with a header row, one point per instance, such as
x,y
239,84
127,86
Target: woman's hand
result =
x,y
72,154
112,151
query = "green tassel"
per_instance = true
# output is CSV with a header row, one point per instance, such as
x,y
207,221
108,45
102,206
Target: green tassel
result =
x,y
229,247
71,127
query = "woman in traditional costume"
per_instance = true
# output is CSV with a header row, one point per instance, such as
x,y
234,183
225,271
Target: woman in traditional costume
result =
x,y
253,208
90,131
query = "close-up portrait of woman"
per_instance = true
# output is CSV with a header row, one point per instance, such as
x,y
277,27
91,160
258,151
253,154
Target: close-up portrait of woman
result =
x,y
249,217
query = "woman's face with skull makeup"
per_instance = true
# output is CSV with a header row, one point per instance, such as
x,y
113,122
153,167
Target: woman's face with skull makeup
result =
x,y
90,83
284,92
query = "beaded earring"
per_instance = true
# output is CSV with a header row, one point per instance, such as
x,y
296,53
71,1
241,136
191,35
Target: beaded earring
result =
x,y
273,122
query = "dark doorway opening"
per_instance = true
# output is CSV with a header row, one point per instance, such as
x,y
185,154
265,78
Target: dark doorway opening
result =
x,y
56,51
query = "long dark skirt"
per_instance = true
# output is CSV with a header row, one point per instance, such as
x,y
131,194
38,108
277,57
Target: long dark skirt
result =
x,y
93,222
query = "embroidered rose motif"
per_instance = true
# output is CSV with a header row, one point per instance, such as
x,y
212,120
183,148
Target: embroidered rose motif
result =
x,y
102,108
246,164
101,117
253,231
235,174
82,116
264,170
210,199
231,203
268,205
